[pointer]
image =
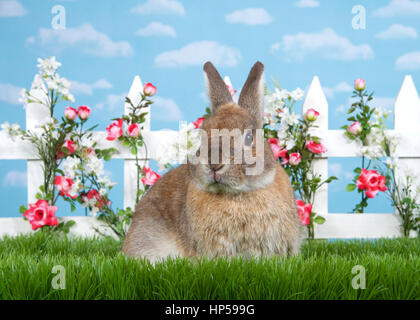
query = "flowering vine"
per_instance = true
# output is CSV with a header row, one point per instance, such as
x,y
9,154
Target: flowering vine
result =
x,y
296,148
366,124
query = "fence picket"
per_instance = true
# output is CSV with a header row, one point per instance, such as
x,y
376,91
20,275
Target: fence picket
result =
x,y
36,114
315,98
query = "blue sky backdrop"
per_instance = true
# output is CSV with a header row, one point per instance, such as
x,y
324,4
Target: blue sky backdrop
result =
x,y
106,43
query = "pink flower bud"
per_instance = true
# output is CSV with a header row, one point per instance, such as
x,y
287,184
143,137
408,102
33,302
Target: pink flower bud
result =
x,y
311,114
359,84
70,113
149,89
294,158
134,130
84,112
355,128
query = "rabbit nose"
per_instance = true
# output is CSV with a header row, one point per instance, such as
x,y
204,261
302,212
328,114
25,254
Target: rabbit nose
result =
x,y
216,167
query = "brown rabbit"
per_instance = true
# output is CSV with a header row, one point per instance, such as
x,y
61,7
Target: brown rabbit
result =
x,y
218,209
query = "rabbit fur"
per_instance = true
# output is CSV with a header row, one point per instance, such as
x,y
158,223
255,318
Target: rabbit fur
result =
x,y
210,210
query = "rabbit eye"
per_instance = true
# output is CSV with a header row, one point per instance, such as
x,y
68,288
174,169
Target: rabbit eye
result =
x,y
248,139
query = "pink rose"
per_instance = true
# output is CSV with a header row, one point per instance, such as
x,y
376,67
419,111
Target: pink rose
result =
x,y
115,130
84,112
315,147
64,185
41,214
70,145
150,177
278,151
355,128
70,113
149,89
198,123
304,212
134,130
311,114
371,182
359,84
294,158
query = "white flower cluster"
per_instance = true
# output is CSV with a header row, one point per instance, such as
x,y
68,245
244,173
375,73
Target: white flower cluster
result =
x,y
48,79
377,137
186,144
287,120
277,100
12,131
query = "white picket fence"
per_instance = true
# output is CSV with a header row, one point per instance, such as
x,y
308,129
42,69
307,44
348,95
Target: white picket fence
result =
x,y
337,225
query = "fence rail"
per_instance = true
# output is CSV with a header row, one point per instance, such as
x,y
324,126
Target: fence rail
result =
x,y
341,225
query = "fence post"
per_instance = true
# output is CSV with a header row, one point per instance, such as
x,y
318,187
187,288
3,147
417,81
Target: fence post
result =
x,y
36,114
407,127
130,169
315,98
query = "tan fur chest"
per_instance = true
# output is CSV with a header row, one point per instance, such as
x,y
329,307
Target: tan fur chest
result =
x,y
247,224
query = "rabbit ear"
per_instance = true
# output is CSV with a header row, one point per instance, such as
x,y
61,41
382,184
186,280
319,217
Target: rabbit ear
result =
x,y
217,90
252,93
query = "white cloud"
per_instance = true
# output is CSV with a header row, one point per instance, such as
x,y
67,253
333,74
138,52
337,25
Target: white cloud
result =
x,y
156,29
397,31
9,93
306,4
335,169
327,44
250,16
340,109
15,179
83,38
409,61
113,102
399,8
87,88
159,7
11,8
382,102
102,84
340,87
165,110
197,53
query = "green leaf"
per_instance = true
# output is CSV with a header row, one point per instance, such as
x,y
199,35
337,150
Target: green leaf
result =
x,y
350,187
133,150
357,170
319,220
22,209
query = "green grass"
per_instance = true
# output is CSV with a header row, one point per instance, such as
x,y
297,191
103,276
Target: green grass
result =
x,y
96,270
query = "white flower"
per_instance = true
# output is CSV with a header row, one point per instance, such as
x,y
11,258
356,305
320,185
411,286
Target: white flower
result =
x,y
281,94
93,211
104,180
48,66
95,166
75,188
70,165
289,118
297,94
12,131
102,192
